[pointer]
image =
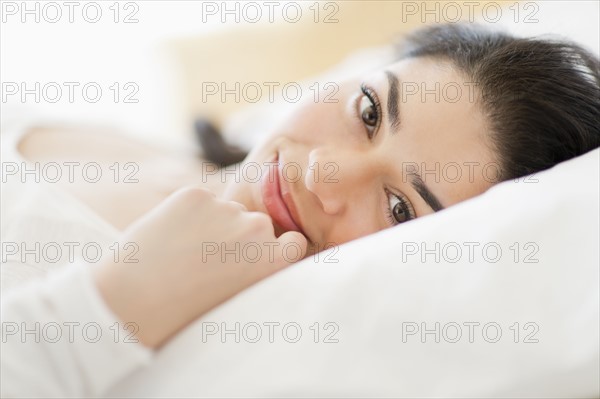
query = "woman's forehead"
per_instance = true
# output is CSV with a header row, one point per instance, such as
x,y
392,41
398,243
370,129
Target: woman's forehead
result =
x,y
442,129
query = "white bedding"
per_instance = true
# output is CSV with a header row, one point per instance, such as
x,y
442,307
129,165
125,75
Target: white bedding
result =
x,y
372,293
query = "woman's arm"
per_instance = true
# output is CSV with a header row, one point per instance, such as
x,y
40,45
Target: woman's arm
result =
x,y
59,339
76,333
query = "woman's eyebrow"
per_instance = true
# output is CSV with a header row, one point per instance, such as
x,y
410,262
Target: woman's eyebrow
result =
x,y
421,188
394,117
392,102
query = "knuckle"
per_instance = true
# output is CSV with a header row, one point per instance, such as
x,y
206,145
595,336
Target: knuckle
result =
x,y
234,206
240,206
260,222
194,194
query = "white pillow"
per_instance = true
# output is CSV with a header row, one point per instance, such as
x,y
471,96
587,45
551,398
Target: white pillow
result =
x,y
376,298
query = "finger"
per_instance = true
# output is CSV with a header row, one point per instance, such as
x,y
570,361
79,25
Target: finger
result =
x,y
239,205
293,247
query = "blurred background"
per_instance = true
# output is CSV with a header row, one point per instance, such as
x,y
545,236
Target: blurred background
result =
x,y
155,61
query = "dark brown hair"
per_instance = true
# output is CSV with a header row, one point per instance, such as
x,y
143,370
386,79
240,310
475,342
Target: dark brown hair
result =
x,y
540,96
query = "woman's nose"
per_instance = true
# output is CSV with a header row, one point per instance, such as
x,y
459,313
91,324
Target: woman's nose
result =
x,y
336,176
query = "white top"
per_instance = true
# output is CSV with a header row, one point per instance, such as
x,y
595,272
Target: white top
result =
x,y
56,329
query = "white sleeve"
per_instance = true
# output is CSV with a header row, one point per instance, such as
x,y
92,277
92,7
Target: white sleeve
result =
x,y
59,339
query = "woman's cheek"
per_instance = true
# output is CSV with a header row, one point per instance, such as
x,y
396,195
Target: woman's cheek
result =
x,y
345,230
312,123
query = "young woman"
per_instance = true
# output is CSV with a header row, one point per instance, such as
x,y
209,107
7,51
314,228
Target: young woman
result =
x,y
505,107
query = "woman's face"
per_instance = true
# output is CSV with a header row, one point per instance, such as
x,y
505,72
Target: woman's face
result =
x,y
408,143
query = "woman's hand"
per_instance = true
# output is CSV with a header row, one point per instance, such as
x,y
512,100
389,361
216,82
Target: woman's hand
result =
x,y
195,252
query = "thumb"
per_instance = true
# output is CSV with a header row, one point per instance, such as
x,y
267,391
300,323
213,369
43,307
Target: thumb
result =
x,y
292,248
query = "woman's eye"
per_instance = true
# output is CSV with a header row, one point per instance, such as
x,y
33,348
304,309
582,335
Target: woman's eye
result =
x,y
369,110
399,210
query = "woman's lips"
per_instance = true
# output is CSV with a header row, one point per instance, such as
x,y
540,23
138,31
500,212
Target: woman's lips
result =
x,y
274,199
